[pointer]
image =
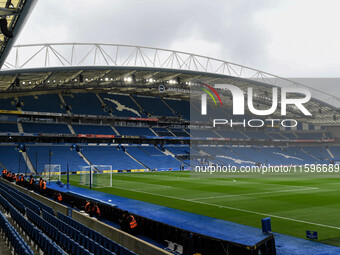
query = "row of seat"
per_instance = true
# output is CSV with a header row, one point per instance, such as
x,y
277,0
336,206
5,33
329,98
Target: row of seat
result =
x,y
38,237
83,240
62,229
21,196
23,200
95,236
12,200
66,242
17,242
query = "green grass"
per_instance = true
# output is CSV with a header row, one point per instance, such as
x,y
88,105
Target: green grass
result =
x,y
294,204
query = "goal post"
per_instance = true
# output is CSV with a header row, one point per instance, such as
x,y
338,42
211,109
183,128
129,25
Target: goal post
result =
x,y
52,173
99,176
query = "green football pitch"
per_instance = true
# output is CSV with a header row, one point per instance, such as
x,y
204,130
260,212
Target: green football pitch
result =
x,y
294,204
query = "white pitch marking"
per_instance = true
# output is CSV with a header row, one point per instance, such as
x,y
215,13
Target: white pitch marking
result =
x,y
258,193
234,208
160,185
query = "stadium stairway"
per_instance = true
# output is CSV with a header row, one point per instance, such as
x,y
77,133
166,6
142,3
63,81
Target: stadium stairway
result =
x,y
3,247
169,153
170,132
244,134
329,152
71,129
63,102
20,231
127,153
217,134
138,105
153,131
13,239
115,130
309,154
28,162
167,105
84,158
102,102
20,128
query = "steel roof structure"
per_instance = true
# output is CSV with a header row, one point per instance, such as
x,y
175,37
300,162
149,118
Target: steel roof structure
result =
x,y
16,13
140,70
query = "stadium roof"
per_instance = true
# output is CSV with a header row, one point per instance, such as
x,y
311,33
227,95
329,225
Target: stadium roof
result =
x,y
16,12
140,70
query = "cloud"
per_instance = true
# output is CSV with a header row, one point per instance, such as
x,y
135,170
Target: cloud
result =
x,y
282,37
165,24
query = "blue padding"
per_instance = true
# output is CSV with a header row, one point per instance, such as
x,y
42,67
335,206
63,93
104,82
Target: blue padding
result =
x,y
209,226
266,225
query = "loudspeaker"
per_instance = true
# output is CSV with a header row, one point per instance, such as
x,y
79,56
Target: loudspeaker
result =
x,y
4,28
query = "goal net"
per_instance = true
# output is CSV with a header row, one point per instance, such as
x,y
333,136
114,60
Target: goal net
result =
x,y
99,176
52,173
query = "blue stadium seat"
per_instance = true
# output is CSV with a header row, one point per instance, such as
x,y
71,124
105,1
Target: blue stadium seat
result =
x,y
180,107
122,105
135,131
153,106
42,103
93,129
85,103
9,157
8,127
109,155
153,158
8,104
44,128
99,244
62,155
162,132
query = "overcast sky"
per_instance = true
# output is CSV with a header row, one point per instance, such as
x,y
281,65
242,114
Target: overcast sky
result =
x,y
288,38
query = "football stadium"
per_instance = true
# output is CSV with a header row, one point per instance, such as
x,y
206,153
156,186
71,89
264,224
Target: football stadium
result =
x,y
123,149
